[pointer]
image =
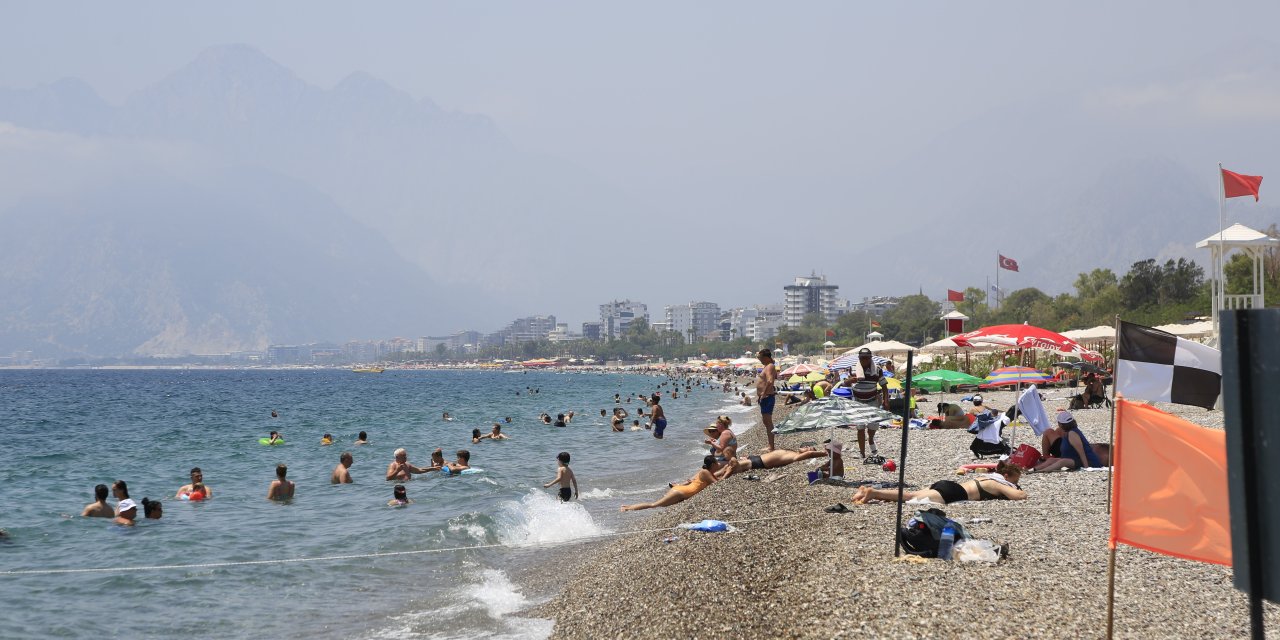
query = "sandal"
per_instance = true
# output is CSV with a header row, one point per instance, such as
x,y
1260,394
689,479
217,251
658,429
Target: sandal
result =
x,y
837,508
873,460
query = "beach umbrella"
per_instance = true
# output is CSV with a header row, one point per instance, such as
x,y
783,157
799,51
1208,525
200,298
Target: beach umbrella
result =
x,y
940,379
801,370
1006,376
850,360
831,412
882,346
1025,336
811,377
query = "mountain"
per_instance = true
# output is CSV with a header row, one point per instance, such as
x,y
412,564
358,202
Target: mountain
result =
x,y
155,264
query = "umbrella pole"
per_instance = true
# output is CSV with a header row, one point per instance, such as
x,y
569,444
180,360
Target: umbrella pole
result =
x,y
902,462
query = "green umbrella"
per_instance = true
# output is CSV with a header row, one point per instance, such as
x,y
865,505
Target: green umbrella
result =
x,y
942,379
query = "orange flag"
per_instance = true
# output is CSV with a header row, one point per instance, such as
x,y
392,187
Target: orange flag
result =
x,y
1169,486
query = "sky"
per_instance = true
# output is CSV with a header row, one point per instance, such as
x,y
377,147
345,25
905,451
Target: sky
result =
x,y
699,108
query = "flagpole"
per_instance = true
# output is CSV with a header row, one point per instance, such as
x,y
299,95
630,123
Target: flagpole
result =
x,y
1111,542
1115,355
1220,298
997,278
902,457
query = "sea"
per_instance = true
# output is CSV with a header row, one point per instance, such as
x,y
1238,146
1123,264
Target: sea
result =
x,y
336,561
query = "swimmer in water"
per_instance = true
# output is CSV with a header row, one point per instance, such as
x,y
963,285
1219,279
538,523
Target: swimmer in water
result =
x,y
326,440
565,477
340,474
197,478
126,512
461,464
274,414
152,509
401,469
281,489
497,433
399,497
446,417
198,492
99,507
363,438
476,437
274,437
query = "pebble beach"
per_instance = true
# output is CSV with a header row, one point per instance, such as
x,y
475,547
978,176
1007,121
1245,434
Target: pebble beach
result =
x,y
793,570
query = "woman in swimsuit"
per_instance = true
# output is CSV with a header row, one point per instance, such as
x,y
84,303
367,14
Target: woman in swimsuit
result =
x,y
767,460
681,492
1001,485
1074,448
724,443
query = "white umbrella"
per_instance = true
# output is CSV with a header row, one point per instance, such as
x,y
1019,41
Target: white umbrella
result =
x,y
882,347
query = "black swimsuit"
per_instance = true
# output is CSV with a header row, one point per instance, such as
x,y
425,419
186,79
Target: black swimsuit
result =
x,y
950,491
756,462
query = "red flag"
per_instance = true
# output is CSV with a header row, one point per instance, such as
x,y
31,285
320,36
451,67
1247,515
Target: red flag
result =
x,y
830,333
1008,263
955,296
1169,489
875,325
1238,184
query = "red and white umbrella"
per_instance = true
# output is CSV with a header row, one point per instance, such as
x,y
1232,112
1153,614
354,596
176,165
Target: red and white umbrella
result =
x,y
801,370
1025,336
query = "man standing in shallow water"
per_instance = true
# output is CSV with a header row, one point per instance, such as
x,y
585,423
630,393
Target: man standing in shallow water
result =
x,y
280,489
340,473
197,477
99,508
766,394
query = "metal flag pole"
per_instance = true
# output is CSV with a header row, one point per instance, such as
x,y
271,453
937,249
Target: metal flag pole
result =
x,y
1111,563
1219,277
1115,356
902,459
997,278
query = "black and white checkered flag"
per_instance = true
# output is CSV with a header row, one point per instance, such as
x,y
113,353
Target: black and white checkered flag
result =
x,y
1158,366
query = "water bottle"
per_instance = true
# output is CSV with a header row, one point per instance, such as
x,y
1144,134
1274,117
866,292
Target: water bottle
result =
x,y
948,540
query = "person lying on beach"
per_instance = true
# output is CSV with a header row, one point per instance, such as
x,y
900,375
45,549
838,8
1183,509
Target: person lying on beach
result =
x,y
281,489
1075,449
399,497
340,474
99,507
681,492
564,476
768,460
461,464
1001,485
401,469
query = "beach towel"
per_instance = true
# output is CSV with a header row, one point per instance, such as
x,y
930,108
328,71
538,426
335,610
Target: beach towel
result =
x,y
1032,408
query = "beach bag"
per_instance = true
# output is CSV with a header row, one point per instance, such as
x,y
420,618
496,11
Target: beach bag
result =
x,y
1026,456
922,534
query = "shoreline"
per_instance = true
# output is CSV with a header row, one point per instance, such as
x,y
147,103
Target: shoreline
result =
x,y
812,574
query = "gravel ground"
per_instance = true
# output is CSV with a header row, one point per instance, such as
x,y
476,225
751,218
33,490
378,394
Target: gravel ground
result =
x,y
811,574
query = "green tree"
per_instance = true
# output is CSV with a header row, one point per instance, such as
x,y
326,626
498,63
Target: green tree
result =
x,y
441,351
913,321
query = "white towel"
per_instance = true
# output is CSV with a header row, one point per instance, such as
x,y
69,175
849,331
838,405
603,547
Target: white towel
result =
x,y
1030,406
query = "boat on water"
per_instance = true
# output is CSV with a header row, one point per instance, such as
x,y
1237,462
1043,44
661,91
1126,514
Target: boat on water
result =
x,y
368,369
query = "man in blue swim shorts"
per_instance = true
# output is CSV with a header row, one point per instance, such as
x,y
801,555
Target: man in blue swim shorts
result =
x,y
766,394
657,416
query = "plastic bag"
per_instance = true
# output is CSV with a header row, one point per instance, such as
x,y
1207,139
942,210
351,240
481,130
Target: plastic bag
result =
x,y
973,550
708,525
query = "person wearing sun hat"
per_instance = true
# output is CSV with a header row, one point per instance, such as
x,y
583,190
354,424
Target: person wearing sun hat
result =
x,y
1076,451
126,512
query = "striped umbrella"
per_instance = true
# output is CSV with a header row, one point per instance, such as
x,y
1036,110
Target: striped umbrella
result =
x,y
849,361
1005,376
800,370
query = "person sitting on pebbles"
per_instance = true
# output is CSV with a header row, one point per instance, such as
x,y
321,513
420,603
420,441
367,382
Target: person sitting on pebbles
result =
x,y
723,441
1074,448
681,492
1001,485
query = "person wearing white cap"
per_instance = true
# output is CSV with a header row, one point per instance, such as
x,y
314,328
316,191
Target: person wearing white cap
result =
x,y
1074,446
126,509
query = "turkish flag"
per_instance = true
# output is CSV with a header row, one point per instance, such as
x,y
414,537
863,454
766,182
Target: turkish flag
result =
x,y
1008,263
1238,184
1169,485
955,296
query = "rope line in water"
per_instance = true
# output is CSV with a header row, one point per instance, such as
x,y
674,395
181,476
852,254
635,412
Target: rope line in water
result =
x,y
355,556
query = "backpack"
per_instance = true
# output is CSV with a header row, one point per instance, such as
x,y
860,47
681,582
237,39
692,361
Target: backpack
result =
x,y
921,535
981,447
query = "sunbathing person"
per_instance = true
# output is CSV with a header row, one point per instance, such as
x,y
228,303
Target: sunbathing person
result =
x,y
1075,450
681,492
1001,485
772,460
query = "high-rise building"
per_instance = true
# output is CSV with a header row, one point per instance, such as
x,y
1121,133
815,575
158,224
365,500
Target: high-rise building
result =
x,y
810,294
695,321
616,316
759,323
592,330
528,329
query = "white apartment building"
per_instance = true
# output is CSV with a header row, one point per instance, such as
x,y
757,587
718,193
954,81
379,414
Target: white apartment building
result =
x,y
693,321
616,316
810,294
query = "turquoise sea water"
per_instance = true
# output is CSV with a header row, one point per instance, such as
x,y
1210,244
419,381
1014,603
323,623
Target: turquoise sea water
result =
x,y
67,431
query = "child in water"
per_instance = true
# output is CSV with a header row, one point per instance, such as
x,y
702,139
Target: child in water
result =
x,y
197,492
399,497
564,476
326,440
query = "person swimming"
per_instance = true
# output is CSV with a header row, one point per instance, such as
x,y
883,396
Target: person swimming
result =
x,y
399,497
326,440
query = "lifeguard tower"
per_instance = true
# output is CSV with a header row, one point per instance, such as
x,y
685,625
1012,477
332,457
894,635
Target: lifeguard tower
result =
x,y
1255,244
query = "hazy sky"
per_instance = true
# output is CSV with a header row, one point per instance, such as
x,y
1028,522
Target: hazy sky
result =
x,y
696,104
